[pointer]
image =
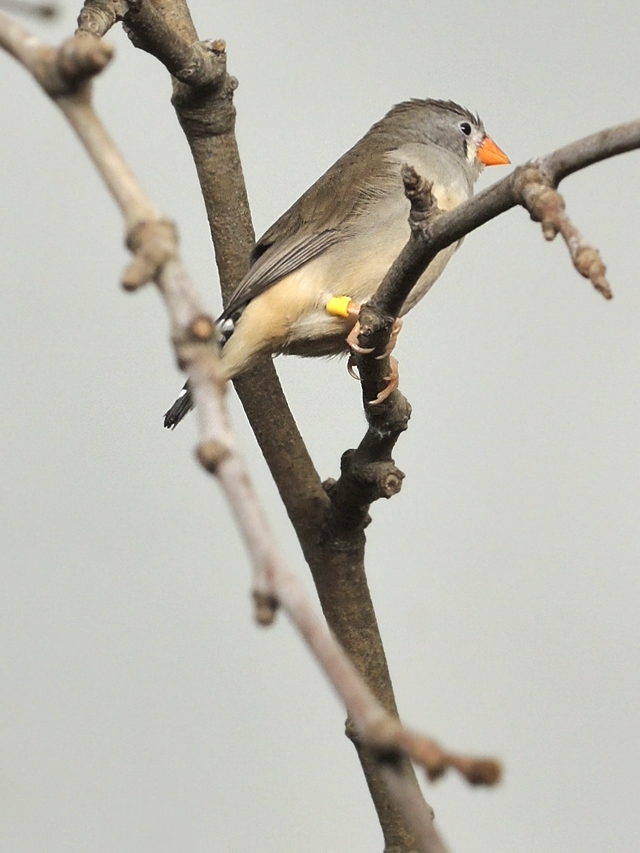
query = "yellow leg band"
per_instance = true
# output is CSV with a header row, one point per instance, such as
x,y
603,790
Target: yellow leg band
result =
x,y
338,306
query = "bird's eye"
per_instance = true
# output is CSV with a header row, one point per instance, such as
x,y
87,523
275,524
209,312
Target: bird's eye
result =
x,y
465,128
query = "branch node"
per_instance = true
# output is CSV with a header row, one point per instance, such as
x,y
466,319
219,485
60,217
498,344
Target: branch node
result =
x,y
79,59
98,16
544,202
206,66
590,265
383,478
217,46
391,483
372,479
212,453
202,328
266,607
153,243
478,771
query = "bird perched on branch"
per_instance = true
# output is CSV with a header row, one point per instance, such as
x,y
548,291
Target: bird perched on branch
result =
x,y
329,252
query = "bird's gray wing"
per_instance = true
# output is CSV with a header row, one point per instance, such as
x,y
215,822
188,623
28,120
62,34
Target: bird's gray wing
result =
x,y
320,218
274,265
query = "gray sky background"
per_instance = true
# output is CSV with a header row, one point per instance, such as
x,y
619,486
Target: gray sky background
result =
x,y
141,709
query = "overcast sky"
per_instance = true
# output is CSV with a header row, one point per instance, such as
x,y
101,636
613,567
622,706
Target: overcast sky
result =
x,y
141,709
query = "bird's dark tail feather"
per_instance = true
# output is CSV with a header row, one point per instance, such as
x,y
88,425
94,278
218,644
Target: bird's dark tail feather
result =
x,y
182,405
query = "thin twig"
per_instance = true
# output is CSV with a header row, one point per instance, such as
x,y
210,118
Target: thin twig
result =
x,y
37,10
546,205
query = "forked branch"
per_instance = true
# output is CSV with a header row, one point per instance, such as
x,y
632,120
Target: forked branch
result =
x,y
65,75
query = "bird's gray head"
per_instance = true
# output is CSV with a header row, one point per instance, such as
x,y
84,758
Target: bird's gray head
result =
x,y
441,123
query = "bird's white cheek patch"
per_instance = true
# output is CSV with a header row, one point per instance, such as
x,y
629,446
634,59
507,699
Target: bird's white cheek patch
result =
x,y
473,146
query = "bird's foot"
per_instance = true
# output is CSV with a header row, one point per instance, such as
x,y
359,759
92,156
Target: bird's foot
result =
x,y
344,306
392,380
392,383
353,343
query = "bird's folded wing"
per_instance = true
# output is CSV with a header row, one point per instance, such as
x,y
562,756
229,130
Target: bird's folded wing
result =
x,y
320,218
277,263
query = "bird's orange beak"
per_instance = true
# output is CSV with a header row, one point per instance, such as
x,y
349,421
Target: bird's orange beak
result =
x,y
490,155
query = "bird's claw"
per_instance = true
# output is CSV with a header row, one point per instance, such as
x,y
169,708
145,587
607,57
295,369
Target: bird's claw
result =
x,y
351,368
354,346
352,341
392,383
354,335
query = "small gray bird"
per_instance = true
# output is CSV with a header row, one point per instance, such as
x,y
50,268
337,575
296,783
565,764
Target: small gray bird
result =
x,y
329,252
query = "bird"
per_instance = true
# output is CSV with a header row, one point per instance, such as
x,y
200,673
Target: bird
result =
x,y
327,255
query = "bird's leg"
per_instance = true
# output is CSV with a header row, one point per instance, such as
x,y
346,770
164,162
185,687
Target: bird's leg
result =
x,y
354,334
344,306
392,380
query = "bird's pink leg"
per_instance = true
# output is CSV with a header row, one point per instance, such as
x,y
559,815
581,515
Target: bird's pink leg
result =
x,y
343,306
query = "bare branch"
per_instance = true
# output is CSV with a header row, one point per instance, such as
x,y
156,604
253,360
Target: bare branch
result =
x,y
549,170
336,559
153,240
420,822
599,146
65,79
546,206
59,71
369,473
